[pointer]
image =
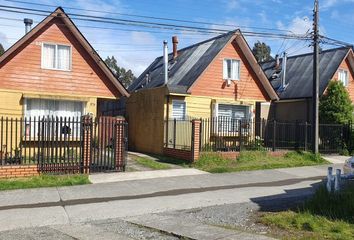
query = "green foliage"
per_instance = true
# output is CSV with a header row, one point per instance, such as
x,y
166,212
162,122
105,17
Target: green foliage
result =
x,y
308,226
335,105
2,50
126,77
43,181
324,216
261,51
334,206
150,163
255,160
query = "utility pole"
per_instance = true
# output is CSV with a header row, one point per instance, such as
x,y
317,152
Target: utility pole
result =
x,y
316,80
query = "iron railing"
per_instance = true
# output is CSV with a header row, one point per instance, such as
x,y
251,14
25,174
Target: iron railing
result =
x,y
56,144
227,134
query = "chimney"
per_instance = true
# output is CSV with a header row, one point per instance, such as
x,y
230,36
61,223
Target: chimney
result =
x,y
175,43
165,61
283,79
277,62
28,24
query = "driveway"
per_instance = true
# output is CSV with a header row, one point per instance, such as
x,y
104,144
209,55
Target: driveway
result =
x,y
85,205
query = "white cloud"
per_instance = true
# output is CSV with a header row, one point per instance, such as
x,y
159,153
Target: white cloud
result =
x,y
300,25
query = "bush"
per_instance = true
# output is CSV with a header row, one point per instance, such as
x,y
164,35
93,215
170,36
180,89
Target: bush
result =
x,y
335,104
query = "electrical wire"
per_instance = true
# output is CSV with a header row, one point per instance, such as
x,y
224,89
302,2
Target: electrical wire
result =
x,y
151,17
161,26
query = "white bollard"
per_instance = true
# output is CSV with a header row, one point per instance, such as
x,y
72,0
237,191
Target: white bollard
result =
x,y
337,181
329,179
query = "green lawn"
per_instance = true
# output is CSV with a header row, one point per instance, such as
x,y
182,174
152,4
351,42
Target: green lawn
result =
x,y
255,160
43,181
324,216
150,163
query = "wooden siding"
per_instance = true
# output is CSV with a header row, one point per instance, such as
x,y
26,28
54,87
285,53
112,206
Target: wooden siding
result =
x,y
211,82
346,66
201,106
23,72
145,115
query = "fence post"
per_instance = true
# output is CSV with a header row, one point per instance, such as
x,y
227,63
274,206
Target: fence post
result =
x,y
274,133
174,132
86,144
297,134
240,133
195,139
119,143
305,140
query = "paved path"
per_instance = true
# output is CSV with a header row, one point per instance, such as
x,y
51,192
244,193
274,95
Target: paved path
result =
x,y
129,176
87,203
179,227
336,159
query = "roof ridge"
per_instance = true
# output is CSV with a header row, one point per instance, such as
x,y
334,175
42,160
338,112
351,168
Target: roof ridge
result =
x,y
203,42
309,53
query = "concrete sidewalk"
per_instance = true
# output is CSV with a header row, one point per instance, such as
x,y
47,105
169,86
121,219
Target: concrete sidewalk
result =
x,y
49,206
129,176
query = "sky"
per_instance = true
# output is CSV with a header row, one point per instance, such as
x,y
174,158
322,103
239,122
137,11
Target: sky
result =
x,y
136,47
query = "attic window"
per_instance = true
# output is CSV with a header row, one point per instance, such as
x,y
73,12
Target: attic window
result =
x,y
56,57
343,77
231,69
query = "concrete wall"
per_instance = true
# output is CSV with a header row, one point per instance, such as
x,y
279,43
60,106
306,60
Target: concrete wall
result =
x,y
145,114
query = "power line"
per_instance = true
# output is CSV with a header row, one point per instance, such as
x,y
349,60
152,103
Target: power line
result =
x,y
151,17
151,25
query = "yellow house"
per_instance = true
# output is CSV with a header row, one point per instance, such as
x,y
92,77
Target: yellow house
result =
x,y
52,72
213,78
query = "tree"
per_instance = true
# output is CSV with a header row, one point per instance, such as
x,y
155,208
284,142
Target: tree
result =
x,y
126,77
335,105
261,51
2,50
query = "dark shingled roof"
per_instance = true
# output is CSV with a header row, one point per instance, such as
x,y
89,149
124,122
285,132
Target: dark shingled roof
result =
x,y
189,65
299,74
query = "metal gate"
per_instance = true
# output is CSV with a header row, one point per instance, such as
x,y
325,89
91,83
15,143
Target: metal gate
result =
x,y
109,145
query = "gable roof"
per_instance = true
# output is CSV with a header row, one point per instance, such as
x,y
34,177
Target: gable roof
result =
x,y
59,13
299,72
192,61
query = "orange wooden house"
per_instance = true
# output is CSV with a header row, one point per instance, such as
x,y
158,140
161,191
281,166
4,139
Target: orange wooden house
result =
x,y
295,90
218,77
54,71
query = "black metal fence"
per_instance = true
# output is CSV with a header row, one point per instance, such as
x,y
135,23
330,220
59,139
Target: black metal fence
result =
x,y
56,144
178,134
107,144
227,134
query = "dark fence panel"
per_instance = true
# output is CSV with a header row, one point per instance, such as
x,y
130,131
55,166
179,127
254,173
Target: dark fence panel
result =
x,y
55,144
223,134
107,145
178,134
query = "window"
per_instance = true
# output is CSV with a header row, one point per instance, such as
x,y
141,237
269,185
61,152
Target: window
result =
x,y
53,108
56,57
178,109
69,111
231,69
343,77
229,116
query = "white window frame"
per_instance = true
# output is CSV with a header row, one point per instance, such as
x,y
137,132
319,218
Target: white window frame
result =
x,y
216,116
56,56
33,135
238,75
341,71
185,109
